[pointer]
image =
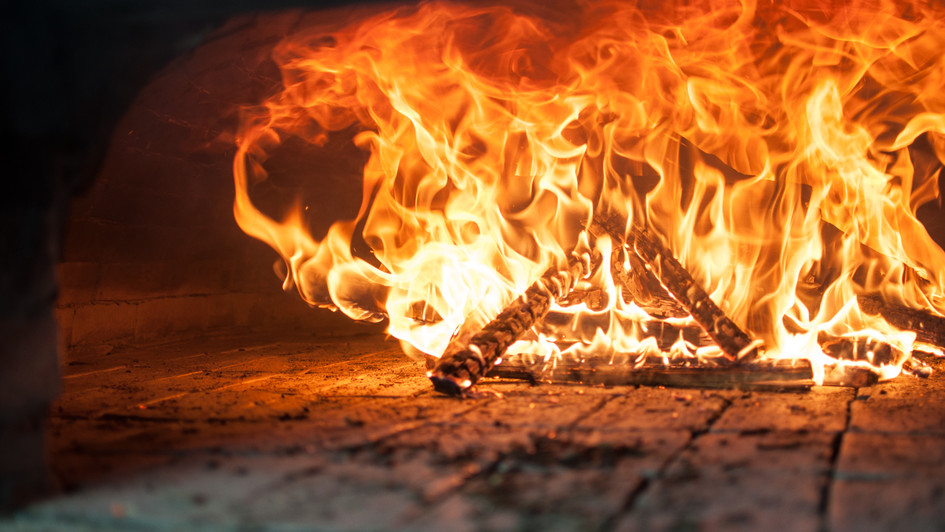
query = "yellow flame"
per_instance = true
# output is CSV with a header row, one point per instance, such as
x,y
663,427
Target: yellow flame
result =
x,y
770,145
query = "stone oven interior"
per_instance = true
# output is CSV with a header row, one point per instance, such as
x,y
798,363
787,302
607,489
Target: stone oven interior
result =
x,y
195,394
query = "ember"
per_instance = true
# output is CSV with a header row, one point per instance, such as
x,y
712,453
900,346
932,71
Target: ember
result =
x,y
757,169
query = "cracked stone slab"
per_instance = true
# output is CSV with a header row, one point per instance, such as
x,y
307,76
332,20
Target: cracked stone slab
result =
x,y
725,482
889,482
659,408
345,434
820,409
578,480
903,405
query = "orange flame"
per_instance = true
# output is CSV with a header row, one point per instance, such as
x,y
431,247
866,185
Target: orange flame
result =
x,y
771,145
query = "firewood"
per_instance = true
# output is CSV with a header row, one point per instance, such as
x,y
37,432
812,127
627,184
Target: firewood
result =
x,y
465,362
775,373
638,285
862,349
928,327
594,298
642,287
737,346
849,376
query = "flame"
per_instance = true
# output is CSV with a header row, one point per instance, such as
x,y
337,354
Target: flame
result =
x,y
774,147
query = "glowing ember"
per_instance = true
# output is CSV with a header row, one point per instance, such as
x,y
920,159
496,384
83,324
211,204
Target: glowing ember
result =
x,y
774,148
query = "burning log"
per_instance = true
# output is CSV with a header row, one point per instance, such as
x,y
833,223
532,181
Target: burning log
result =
x,y
776,373
864,349
928,328
849,375
857,359
736,345
780,374
642,286
465,362
593,298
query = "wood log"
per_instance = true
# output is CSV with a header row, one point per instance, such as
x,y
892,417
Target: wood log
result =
x,y
642,287
928,327
777,374
638,285
737,346
594,298
465,362
863,349
766,374
850,376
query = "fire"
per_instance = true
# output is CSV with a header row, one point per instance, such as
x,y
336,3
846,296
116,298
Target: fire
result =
x,y
773,147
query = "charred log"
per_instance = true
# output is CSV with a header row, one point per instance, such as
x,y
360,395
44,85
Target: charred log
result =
x,y
857,358
778,374
928,327
594,298
642,287
870,350
769,374
465,362
660,262
849,376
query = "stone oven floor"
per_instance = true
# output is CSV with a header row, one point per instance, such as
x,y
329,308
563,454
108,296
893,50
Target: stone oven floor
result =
x,y
234,433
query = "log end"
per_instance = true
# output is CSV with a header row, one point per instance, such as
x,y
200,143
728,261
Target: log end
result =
x,y
850,376
457,371
448,385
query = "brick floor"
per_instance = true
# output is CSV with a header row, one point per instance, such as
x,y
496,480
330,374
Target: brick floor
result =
x,y
306,433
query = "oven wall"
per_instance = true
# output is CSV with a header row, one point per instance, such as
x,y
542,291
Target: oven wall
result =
x,y
152,249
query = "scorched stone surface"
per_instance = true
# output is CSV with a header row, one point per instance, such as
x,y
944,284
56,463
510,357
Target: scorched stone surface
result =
x,y
308,433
